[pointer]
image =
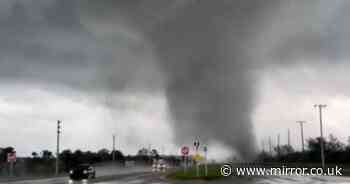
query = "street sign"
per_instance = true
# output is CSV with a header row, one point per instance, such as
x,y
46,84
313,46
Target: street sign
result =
x,y
185,151
11,157
198,158
196,144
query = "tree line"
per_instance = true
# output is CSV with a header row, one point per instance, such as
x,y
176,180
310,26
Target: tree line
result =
x,y
335,152
43,163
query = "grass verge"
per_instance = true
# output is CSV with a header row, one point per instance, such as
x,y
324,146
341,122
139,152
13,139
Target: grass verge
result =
x,y
191,174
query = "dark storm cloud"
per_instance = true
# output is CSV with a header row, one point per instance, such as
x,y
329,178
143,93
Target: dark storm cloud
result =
x,y
44,42
315,31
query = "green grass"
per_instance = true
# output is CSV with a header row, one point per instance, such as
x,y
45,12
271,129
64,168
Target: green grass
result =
x,y
213,173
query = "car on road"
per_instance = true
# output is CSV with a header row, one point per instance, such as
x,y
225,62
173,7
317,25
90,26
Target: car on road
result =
x,y
82,171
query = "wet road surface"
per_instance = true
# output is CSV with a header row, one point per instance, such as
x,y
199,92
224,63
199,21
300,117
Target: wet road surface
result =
x,y
156,179
103,173
144,176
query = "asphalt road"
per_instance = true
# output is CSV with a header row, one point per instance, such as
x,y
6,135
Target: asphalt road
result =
x,y
144,176
103,173
149,178
124,178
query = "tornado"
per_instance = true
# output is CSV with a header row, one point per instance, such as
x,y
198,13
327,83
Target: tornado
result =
x,y
200,48
210,88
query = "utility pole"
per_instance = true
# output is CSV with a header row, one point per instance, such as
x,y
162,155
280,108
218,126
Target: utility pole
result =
x,y
163,151
263,146
150,149
58,146
302,133
278,145
320,106
288,137
270,145
113,154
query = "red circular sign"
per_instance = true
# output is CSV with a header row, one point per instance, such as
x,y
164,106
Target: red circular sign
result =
x,y
11,157
185,150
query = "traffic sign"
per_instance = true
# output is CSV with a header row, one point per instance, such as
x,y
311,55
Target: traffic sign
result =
x,y
198,158
11,157
185,151
196,144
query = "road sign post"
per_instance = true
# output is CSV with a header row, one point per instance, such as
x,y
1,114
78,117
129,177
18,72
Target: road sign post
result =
x,y
11,159
185,152
196,146
206,160
185,163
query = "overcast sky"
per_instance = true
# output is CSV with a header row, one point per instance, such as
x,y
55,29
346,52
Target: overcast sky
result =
x,y
114,72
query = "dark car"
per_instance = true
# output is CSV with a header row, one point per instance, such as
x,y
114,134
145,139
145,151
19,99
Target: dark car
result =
x,y
83,171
